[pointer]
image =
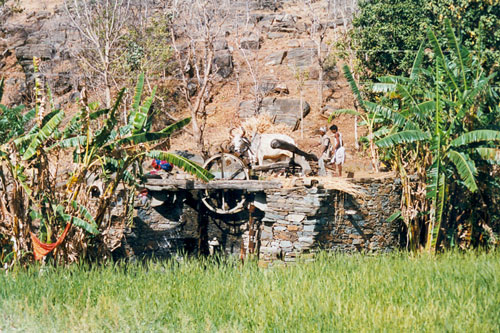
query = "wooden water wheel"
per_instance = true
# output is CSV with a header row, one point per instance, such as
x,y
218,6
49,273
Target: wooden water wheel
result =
x,y
226,167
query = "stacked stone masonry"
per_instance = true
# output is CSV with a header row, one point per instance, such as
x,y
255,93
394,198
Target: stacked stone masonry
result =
x,y
294,222
299,221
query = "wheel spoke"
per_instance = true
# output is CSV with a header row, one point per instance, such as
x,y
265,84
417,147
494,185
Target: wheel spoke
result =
x,y
236,173
223,200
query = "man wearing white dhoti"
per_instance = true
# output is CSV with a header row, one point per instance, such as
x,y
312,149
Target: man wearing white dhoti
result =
x,y
339,153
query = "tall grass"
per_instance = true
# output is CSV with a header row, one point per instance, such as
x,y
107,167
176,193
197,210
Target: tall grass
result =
x,y
395,292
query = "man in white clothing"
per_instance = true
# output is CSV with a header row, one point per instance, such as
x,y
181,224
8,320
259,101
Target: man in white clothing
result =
x,y
339,150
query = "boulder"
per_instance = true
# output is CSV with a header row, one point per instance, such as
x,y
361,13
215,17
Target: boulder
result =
x,y
267,85
246,109
250,42
275,58
301,57
285,110
223,63
281,110
27,52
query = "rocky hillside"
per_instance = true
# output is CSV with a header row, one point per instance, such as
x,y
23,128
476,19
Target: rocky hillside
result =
x,y
268,47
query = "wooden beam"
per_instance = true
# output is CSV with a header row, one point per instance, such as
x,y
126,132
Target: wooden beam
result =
x,y
188,184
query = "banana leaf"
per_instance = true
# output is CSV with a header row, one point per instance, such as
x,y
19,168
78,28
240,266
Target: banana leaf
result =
x,y
184,163
48,127
465,167
402,137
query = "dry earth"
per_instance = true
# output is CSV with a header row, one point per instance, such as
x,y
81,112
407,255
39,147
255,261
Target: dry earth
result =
x,y
223,110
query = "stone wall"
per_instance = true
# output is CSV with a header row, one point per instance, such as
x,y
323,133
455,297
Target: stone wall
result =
x,y
304,220
290,222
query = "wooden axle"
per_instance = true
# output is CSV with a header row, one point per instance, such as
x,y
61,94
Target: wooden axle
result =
x,y
280,144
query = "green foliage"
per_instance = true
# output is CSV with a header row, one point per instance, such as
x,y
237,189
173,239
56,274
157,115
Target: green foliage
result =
x,y
109,154
433,125
478,22
385,25
12,120
388,33
335,293
147,46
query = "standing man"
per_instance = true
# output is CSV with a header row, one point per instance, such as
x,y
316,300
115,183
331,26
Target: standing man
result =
x,y
339,150
326,151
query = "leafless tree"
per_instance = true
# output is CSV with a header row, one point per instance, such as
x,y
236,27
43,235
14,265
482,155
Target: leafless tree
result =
x,y
195,28
342,11
250,57
317,29
101,25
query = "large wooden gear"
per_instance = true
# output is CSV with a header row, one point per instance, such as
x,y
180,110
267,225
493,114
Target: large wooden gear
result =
x,y
226,167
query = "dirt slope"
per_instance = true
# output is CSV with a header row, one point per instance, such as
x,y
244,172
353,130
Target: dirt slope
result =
x,y
283,29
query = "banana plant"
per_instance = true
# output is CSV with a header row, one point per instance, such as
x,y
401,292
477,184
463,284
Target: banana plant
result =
x,y
369,116
436,123
115,151
100,146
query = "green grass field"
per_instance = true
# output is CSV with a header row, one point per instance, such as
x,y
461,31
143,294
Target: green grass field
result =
x,y
395,292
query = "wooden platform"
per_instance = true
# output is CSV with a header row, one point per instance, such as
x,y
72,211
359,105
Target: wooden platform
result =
x,y
189,184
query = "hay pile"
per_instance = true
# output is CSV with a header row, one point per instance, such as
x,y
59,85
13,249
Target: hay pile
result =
x,y
330,183
264,124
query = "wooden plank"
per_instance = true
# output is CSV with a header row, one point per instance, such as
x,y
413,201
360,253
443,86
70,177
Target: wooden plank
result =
x,y
187,184
248,185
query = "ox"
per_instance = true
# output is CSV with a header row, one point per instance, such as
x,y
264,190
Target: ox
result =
x,y
258,149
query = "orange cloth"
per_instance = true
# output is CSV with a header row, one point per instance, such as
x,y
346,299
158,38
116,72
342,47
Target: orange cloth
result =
x,y
41,249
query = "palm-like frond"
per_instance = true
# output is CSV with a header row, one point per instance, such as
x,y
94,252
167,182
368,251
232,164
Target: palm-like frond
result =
x,y
142,138
142,113
44,133
460,52
137,98
83,212
476,136
28,116
88,226
138,92
184,163
427,106
402,137
389,114
103,136
382,87
70,142
404,91
96,114
417,63
352,83
393,79
489,154
472,96
176,126
440,58
465,167
20,141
